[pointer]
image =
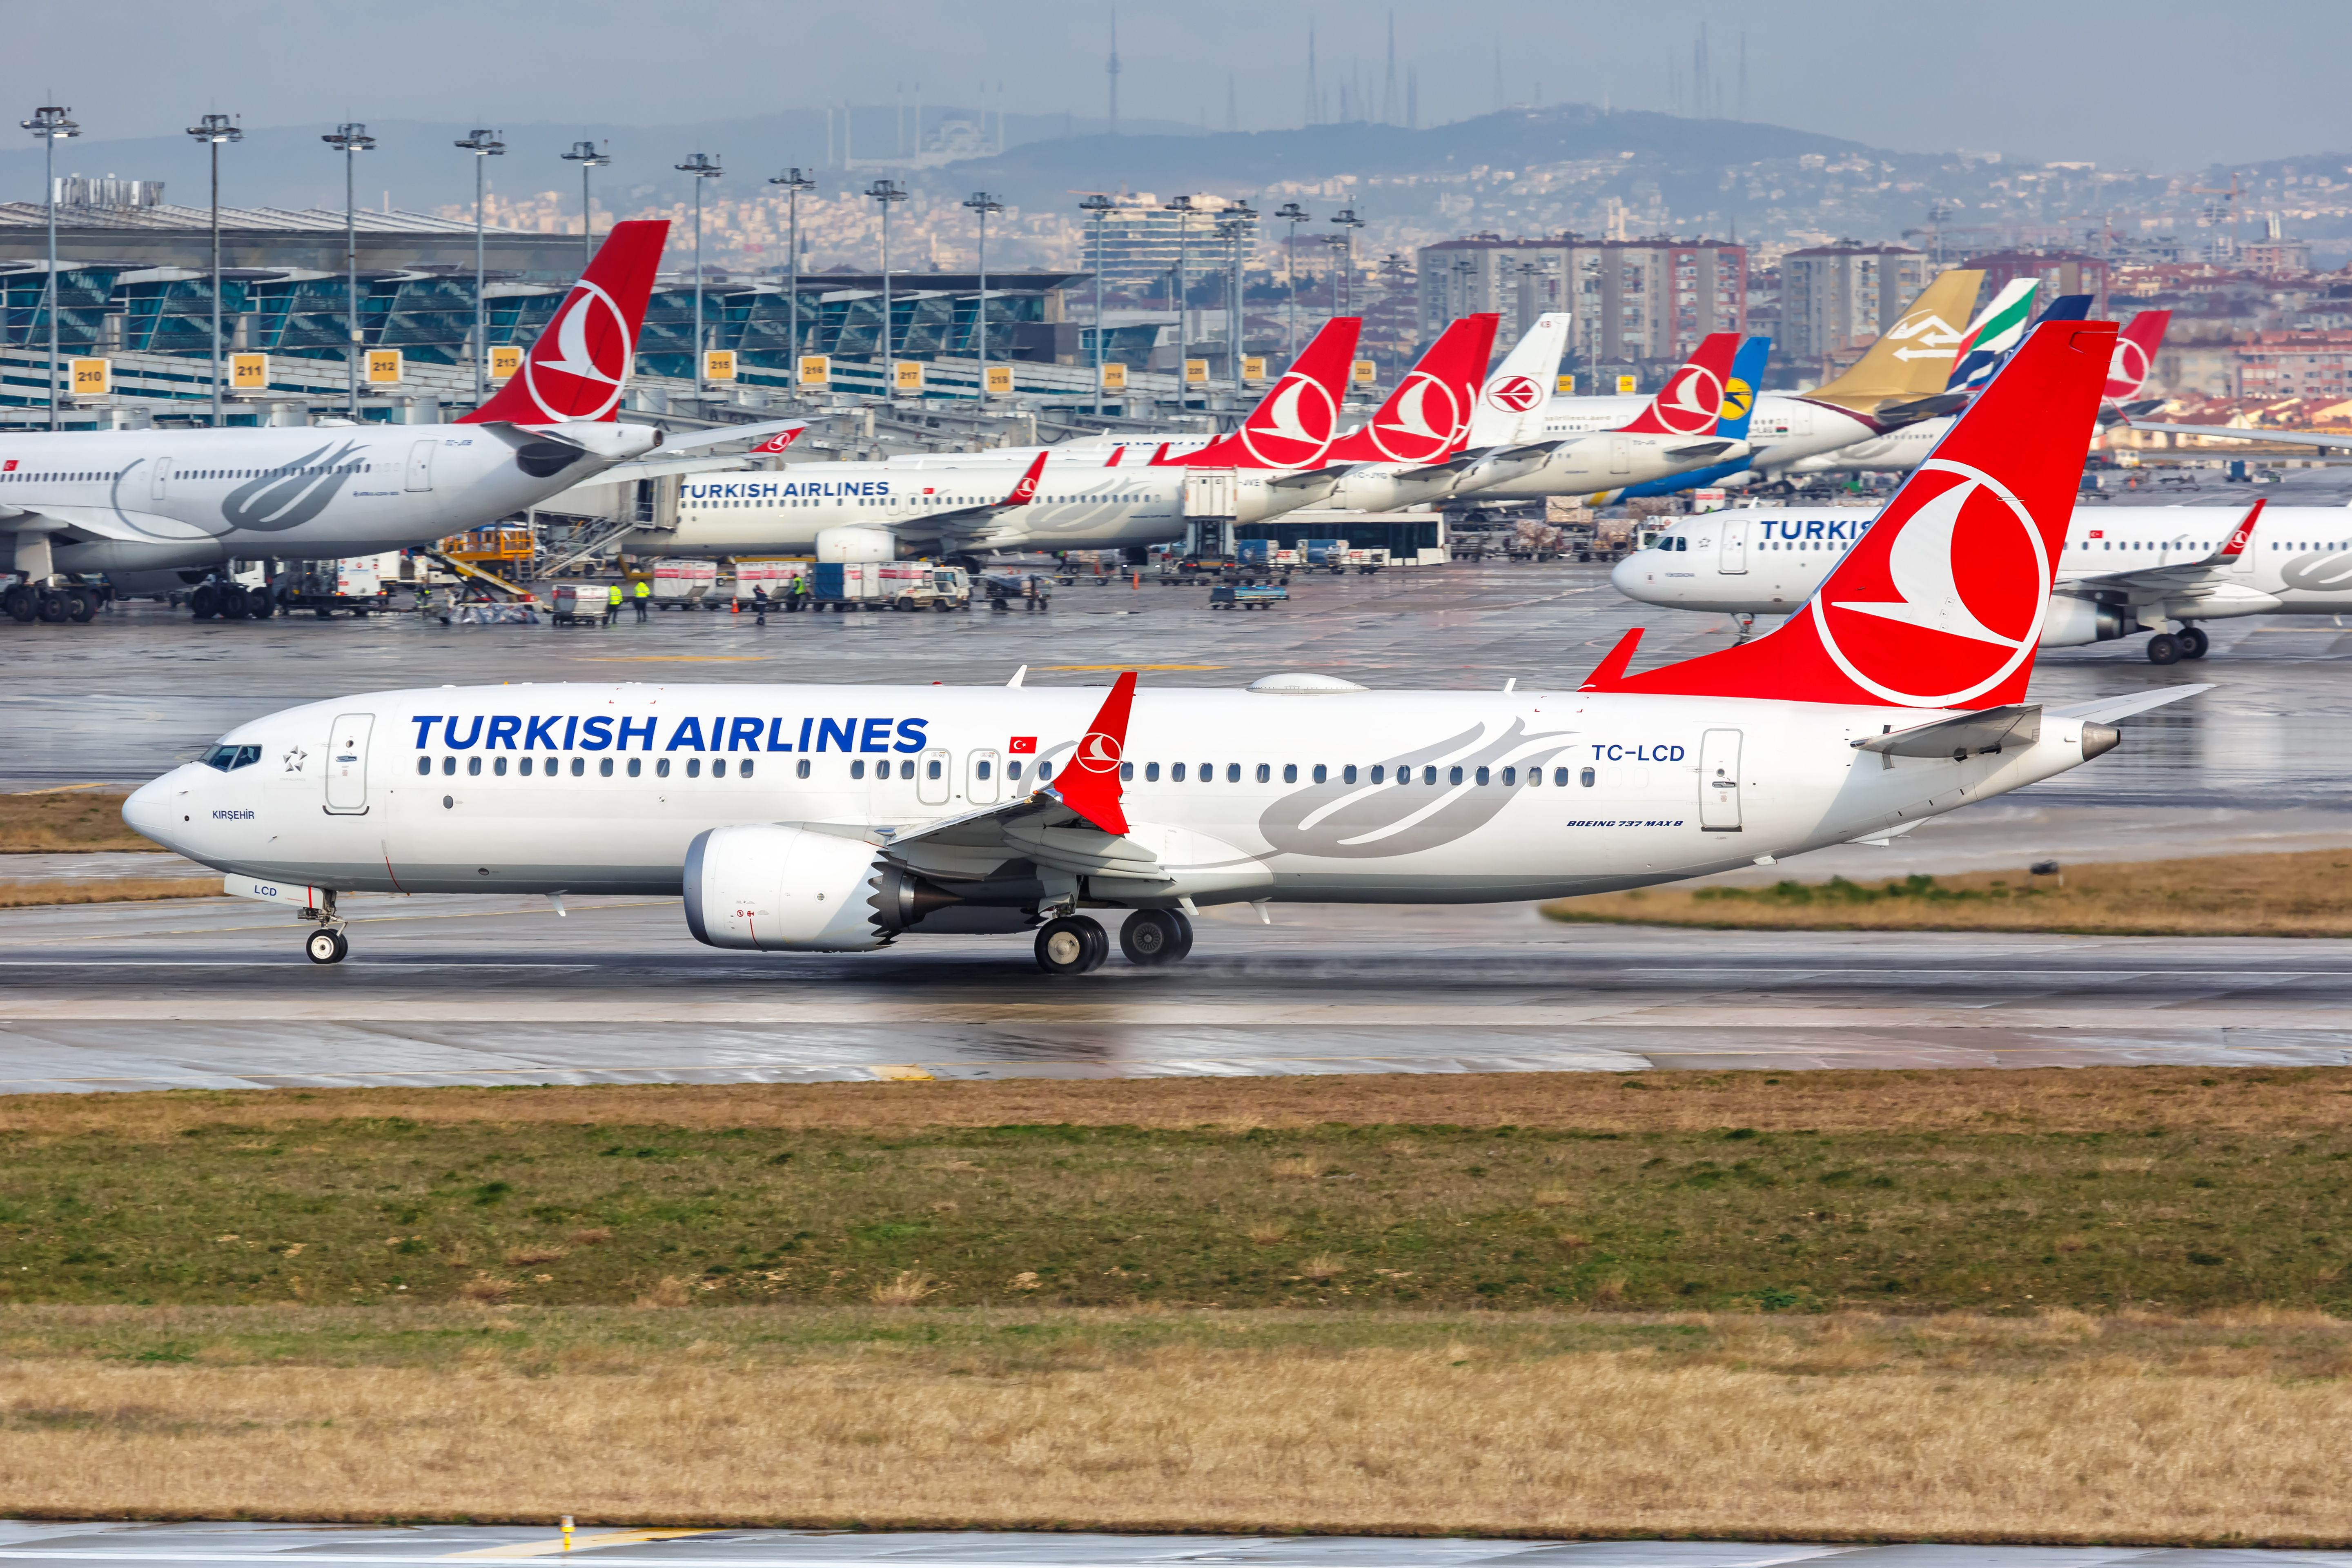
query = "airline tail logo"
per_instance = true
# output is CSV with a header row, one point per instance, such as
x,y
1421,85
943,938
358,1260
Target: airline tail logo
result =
x,y
2135,354
1515,393
1739,398
779,441
1925,604
580,367
1925,335
1026,491
1428,416
1693,398
1291,429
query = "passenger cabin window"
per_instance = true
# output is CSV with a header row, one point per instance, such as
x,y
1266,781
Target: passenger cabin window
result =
x,y
800,768
605,767
858,769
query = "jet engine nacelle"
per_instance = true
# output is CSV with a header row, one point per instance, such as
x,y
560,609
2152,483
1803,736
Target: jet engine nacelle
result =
x,y
2073,621
856,546
773,888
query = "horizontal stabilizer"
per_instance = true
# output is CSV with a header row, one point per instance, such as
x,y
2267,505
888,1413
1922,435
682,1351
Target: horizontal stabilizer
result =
x,y
1969,735
2107,710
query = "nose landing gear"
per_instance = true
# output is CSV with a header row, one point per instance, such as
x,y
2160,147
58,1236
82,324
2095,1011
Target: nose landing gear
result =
x,y
328,944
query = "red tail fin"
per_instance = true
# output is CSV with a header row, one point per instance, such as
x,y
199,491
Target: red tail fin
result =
x,y
1691,400
1940,604
1292,426
2135,354
1089,783
1428,415
580,364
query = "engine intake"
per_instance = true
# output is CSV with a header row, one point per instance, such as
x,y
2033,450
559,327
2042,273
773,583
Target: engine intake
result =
x,y
2073,621
771,888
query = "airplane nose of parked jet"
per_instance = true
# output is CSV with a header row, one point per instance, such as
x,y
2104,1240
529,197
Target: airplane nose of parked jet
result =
x,y
150,813
1627,575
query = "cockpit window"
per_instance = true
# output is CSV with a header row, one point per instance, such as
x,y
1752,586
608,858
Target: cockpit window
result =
x,y
225,758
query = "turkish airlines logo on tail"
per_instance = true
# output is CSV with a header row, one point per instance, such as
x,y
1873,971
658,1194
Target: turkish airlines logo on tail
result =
x,y
2127,370
580,363
1691,402
1293,427
1515,393
1425,420
1950,593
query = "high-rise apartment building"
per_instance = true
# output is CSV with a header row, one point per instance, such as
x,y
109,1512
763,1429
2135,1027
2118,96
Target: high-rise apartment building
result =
x,y
1632,299
1840,297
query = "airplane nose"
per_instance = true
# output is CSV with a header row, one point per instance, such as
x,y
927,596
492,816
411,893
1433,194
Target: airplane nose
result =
x,y
1627,572
149,813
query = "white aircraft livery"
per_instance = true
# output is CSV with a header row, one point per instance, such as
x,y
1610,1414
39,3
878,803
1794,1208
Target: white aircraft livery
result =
x,y
163,501
842,818
2120,571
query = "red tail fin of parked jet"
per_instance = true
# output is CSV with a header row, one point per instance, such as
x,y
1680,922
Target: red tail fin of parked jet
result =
x,y
2135,354
1427,417
1940,604
1294,425
580,366
1691,400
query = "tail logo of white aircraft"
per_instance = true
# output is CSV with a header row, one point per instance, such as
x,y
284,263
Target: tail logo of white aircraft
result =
x,y
1937,338
1690,405
1515,393
1097,753
571,353
1416,434
1295,433
2127,370
1974,633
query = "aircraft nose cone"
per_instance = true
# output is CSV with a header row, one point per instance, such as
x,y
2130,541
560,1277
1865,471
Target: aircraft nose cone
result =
x,y
1627,575
149,813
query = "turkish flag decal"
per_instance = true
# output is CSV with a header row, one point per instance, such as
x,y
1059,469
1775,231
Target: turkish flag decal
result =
x,y
1022,745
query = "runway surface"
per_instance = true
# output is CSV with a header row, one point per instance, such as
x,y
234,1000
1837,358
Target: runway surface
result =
x,y
499,990
252,1543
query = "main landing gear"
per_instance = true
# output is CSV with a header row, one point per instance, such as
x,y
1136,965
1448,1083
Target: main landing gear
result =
x,y
328,944
1076,944
2171,647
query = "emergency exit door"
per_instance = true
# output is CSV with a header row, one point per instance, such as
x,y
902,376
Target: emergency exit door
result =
x,y
1621,454
347,754
1719,781
420,465
1734,544
934,777
984,785
161,486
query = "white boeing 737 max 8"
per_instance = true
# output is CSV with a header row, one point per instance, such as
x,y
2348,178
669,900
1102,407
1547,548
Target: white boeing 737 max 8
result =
x,y
842,818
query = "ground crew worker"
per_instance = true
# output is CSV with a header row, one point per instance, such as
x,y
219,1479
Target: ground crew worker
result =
x,y
613,604
644,593
760,604
799,590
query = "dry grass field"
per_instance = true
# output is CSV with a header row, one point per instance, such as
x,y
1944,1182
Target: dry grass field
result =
x,y
2229,1429
70,818
2307,893
106,891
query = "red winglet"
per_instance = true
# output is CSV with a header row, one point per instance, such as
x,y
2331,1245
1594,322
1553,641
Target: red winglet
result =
x,y
1611,668
580,364
1089,785
2242,535
1026,491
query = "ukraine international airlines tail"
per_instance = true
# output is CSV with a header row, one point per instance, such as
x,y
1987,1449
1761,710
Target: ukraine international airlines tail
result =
x,y
841,819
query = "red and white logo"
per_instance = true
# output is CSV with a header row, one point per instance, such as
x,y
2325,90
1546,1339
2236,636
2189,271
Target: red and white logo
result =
x,y
580,363
9,466
1099,753
1425,420
1022,746
1950,593
1026,491
1516,394
779,441
2127,370
1691,403
1293,427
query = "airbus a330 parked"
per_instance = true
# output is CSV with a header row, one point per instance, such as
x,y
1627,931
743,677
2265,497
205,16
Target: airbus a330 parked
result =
x,y
163,501
841,819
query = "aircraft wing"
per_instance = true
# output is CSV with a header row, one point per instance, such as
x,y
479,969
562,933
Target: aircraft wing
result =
x,y
2147,583
970,526
2107,710
766,435
2234,433
102,522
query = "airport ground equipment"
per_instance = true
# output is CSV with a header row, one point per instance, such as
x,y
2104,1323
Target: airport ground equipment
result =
x,y
1247,596
580,605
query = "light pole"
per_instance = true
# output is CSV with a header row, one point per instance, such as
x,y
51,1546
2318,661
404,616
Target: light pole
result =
x,y
52,124
1183,207
793,183
352,140
889,192
701,166
1233,226
982,203
213,129
1294,215
1349,224
484,145
1098,207
585,154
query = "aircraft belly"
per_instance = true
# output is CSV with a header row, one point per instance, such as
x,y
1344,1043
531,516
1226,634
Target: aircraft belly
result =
x,y
127,555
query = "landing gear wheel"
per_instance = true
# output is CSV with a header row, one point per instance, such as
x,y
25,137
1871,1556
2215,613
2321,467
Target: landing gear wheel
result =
x,y
55,608
1155,936
81,605
2164,648
1072,945
204,603
21,604
327,946
2194,642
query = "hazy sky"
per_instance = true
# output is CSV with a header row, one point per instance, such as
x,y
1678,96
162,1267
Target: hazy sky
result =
x,y
2163,85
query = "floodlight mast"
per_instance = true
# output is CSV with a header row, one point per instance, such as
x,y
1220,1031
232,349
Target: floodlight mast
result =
x,y
587,155
889,192
351,140
1098,207
213,129
701,166
793,183
1294,215
52,123
982,203
484,145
